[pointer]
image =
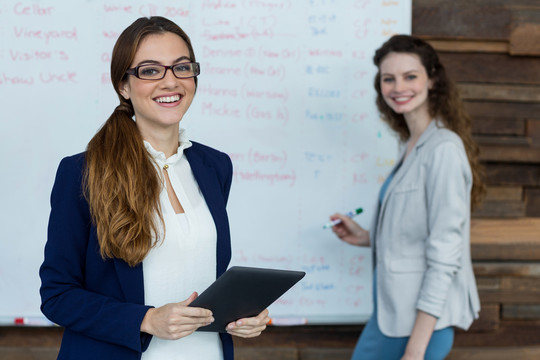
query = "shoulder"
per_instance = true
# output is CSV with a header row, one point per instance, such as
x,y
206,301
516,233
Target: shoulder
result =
x,y
445,143
207,154
445,155
67,191
73,165
444,135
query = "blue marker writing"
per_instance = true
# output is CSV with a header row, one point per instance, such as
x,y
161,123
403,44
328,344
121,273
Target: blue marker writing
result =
x,y
337,221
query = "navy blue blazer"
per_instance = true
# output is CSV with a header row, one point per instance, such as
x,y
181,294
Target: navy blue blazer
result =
x,y
100,303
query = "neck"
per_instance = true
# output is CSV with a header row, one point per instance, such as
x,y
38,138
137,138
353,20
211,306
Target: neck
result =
x,y
162,139
417,124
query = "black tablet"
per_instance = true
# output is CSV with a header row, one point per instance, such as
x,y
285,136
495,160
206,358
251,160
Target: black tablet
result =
x,y
244,292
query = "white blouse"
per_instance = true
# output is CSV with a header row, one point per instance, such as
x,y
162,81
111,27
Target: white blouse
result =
x,y
184,261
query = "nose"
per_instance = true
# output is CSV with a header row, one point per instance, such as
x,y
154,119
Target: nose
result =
x,y
398,85
169,79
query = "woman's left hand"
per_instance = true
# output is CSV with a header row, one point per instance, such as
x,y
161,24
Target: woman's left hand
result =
x,y
249,327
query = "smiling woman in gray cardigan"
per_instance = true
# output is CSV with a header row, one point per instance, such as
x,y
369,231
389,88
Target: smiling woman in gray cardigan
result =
x,y
424,284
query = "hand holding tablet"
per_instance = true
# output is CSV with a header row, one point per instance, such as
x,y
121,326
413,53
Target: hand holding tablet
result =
x,y
244,292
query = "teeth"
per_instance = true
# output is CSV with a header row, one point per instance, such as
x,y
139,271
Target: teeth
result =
x,y
402,98
168,99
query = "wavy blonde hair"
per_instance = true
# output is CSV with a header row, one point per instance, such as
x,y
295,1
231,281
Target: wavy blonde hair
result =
x,y
121,183
443,99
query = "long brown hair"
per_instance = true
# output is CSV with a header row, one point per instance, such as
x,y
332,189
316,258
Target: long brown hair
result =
x,y
444,102
121,183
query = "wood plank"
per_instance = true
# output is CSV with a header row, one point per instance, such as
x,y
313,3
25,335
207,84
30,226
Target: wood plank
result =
x,y
304,336
32,353
316,353
461,19
505,252
491,92
486,283
486,68
502,140
533,131
511,333
525,40
505,239
468,46
30,336
513,154
516,232
500,209
512,174
509,296
498,126
503,110
495,353
504,193
525,32
532,196
489,319
265,353
520,284
482,269
521,311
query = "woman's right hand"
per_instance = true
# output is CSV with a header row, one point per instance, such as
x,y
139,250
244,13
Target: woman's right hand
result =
x,y
176,320
349,231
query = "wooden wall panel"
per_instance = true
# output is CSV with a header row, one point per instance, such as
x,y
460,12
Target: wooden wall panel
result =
x,y
499,126
458,18
525,34
499,92
533,130
533,202
513,154
491,68
503,109
513,174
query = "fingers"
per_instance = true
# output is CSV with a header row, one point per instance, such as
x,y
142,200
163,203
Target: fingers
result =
x,y
176,320
249,327
346,222
190,299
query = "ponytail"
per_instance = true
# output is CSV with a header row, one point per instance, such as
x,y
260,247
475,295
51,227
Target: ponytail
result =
x,y
122,188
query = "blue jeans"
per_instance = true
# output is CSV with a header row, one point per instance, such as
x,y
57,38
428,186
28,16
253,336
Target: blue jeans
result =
x,y
374,345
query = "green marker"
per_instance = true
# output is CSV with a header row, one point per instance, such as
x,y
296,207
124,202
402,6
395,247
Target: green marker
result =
x,y
337,221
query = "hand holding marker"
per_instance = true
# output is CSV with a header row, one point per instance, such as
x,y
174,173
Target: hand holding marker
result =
x,y
337,221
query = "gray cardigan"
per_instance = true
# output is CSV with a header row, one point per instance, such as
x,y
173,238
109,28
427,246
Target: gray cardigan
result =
x,y
421,238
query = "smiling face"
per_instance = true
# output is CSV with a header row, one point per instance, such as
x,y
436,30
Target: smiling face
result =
x,y
161,103
405,84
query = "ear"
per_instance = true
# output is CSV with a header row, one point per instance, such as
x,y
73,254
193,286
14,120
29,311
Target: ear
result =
x,y
431,83
124,89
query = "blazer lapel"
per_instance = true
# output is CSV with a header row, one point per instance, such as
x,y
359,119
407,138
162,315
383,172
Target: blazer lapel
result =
x,y
405,165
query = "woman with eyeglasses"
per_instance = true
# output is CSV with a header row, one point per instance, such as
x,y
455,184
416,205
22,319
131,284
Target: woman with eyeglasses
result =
x,y
138,222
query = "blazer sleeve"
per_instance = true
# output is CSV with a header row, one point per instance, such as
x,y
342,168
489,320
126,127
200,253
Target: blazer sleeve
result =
x,y
65,269
448,185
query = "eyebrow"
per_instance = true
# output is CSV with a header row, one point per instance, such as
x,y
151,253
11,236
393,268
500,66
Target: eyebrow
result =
x,y
181,58
405,73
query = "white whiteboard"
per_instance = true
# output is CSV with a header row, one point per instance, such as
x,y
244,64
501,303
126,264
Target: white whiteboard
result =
x,y
286,89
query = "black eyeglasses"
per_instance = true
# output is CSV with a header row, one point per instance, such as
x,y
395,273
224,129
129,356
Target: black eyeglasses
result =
x,y
158,71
